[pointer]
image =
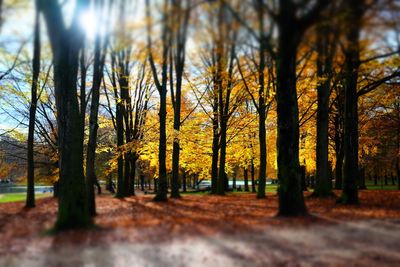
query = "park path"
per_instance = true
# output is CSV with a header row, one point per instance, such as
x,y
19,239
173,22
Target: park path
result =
x,y
362,242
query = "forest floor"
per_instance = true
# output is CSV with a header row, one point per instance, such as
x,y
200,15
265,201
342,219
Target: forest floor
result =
x,y
203,230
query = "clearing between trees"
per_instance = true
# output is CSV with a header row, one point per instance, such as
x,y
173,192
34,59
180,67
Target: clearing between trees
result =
x,y
199,230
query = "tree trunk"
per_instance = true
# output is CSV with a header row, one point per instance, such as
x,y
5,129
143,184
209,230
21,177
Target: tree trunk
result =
x,y
215,150
303,177
246,179
162,189
263,149
361,184
234,180
252,173
184,182
119,121
91,178
291,200
30,193
339,151
352,62
222,176
180,20
132,177
66,45
324,185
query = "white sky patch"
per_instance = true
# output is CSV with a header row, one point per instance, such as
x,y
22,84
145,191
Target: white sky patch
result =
x,y
88,23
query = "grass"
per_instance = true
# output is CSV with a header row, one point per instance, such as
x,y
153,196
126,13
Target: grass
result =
x,y
383,187
15,197
269,189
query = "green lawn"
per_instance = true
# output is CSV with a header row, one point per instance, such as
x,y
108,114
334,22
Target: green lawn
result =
x,y
269,189
379,187
14,197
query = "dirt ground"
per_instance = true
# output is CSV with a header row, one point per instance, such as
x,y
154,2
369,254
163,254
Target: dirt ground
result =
x,y
235,230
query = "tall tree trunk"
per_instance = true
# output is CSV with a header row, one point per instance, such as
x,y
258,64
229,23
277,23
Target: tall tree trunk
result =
x,y
324,186
30,196
162,189
98,67
263,149
176,143
352,62
262,94
339,150
66,44
119,121
82,95
126,110
161,84
222,175
181,21
215,150
291,200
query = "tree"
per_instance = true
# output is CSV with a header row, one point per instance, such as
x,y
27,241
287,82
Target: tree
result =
x,y
326,47
161,85
225,48
179,24
66,43
100,47
30,195
265,85
290,28
354,13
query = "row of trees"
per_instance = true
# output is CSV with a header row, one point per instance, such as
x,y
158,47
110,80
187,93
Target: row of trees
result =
x,y
279,64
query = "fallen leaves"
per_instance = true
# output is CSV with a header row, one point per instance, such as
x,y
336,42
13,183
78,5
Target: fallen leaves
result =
x,y
139,219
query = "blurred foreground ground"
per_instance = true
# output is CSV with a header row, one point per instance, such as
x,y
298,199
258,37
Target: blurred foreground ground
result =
x,y
202,230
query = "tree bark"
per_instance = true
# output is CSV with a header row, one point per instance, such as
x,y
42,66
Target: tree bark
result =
x,y
162,190
339,149
98,67
246,179
252,173
221,176
352,62
181,22
215,149
30,194
66,44
291,200
119,121
324,68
